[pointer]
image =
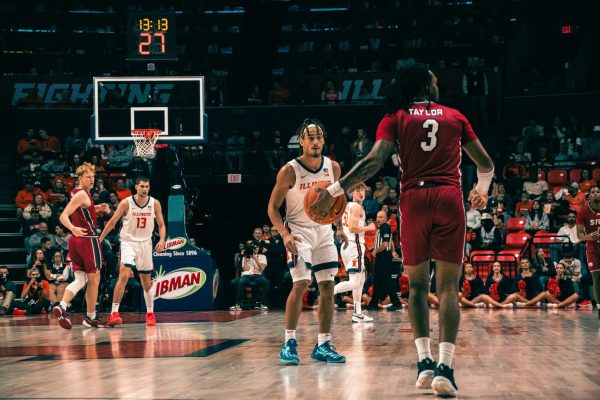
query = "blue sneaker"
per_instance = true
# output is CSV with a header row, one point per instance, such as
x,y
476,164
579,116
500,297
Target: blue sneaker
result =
x,y
443,382
288,353
326,352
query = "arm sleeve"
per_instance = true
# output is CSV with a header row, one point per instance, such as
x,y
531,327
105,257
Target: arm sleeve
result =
x,y
387,128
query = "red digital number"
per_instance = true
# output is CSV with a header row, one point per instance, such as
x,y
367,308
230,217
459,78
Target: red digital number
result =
x,y
141,223
144,45
162,41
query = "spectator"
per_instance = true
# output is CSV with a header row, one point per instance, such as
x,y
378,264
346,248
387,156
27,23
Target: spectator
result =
x,y
573,142
48,249
275,271
563,158
572,269
253,264
49,145
502,199
534,186
361,146
120,189
472,291
74,144
25,196
331,94
61,238
24,143
266,232
381,190
54,166
121,156
35,240
391,201
58,276
258,242
370,205
537,220
8,292
554,210
586,182
34,297
96,161
497,285
542,160
74,162
38,203
278,94
29,227
473,217
520,154
544,267
489,237
113,201
532,131
67,179
101,190
526,285
575,197
514,174
568,236
523,206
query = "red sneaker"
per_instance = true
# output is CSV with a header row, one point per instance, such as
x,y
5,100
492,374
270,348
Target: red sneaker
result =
x,y
114,319
150,319
18,311
62,317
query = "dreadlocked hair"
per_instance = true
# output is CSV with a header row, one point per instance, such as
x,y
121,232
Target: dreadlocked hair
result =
x,y
407,87
303,128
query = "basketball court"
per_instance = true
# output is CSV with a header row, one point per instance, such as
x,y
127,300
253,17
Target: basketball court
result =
x,y
501,354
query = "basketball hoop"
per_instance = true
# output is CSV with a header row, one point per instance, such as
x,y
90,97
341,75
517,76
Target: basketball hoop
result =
x,y
144,140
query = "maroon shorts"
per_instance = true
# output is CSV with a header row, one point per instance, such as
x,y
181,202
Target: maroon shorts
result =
x,y
85,254
593,260
432,225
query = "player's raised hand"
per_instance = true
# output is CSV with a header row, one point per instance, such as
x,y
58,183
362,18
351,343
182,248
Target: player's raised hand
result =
x,y
323,204
79,232
104,207
290,243
160,246
478,200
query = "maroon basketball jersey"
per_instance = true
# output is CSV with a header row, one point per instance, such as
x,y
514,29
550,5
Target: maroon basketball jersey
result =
x,y
85,217
590,220
429,142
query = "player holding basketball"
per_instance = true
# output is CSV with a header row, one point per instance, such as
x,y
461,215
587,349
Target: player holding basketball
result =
x,y
588,228
139,212
79,216
428,138
353,224
310,246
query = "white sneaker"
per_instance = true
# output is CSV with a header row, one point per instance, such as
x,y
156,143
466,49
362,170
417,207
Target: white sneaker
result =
x,y
552,305
490,305
235,307
538,304
481,304
509,305
520,304
361,318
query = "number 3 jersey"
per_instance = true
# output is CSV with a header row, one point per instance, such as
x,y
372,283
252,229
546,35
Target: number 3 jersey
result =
x,y
138,222
429,139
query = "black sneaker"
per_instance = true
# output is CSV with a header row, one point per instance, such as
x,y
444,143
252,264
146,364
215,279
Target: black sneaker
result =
x,y
425,372
443,382
93,323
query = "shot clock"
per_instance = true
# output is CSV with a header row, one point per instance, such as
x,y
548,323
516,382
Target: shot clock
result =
x,y
151,35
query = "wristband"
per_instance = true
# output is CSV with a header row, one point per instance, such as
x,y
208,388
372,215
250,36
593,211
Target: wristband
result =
x,y
336,189
484,179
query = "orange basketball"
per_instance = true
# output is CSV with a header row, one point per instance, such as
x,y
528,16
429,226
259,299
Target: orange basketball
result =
x,y
336,211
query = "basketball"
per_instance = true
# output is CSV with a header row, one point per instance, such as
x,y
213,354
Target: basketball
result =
x,y
336,211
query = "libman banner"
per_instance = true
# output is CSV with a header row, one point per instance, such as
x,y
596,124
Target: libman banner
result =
x,y
177,284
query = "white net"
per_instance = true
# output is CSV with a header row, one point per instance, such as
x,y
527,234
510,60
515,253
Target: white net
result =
x,y
144,140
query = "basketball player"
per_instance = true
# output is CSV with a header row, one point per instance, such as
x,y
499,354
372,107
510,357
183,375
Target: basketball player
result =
x,y
427,137
79,216
353,224
139,212
588,228
309,245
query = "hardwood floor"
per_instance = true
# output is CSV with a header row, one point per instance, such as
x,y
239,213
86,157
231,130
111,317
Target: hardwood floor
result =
x,y
501,354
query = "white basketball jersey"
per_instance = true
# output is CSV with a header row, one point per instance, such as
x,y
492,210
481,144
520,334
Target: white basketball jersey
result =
x,y
138,223
305,179
355,240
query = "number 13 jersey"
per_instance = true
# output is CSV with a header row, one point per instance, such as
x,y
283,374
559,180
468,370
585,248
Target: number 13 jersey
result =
x,y
429,139
138,223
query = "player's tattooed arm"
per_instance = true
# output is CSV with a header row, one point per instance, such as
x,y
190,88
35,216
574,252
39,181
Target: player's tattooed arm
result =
x,y
368,166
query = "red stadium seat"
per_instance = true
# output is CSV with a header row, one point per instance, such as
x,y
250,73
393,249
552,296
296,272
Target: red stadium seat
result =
x,y
557,178
509,262
575,175
516,241
596,174
482,262
515,224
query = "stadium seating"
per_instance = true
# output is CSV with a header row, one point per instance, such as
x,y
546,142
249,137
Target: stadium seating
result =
x,y
509,262
515,224
557,178
575,175
482,262
596,174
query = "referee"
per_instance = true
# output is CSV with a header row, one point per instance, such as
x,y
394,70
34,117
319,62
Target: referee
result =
x,y
382,283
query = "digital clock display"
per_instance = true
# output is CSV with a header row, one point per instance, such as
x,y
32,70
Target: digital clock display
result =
x,y
151,35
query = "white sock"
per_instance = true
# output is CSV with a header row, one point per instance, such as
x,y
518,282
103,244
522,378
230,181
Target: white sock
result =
x,y
446,353
424,348
323,337
290,334
149,297
357,308
115,308
64,305
91,315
